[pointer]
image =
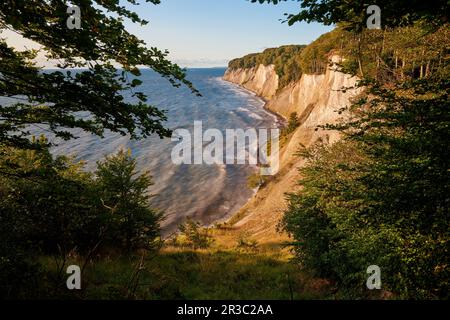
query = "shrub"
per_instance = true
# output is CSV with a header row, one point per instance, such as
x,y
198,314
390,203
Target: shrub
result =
x,y
380,198
293,123
131,223
256,180
193,235
50,206
245,244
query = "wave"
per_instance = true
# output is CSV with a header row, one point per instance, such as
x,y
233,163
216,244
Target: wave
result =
x,y
250,113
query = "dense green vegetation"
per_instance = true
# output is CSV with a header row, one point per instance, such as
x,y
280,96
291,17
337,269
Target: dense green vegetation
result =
x,y
384,55
284,58
396,54
100,47
381,195
378,197
394,13
51,207
292,61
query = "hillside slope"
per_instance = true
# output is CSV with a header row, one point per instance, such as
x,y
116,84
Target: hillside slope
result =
x,y
316,99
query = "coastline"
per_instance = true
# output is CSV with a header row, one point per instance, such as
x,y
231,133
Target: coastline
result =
x,y
279,119
280,123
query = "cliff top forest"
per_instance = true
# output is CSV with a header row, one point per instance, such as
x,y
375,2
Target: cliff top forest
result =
x,y
369,53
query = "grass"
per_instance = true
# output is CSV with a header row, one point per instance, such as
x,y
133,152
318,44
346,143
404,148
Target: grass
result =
x,y
233,267
180,273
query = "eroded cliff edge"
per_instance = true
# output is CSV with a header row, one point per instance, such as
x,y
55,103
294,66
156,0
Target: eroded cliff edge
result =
x,y
316,99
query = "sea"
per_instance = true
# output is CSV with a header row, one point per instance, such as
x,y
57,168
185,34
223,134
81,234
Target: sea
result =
x,y
206,193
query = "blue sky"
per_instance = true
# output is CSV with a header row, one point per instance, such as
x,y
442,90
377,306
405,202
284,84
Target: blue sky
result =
x,y
209,33
205,33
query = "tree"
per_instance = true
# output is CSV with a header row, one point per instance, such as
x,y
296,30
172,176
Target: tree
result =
x,y
293,123
132,223
47,207
194,235
381,196
92,98
353,12
46,202
50,206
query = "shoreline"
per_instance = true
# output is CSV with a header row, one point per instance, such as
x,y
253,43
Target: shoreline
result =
x,y
280,120
280,123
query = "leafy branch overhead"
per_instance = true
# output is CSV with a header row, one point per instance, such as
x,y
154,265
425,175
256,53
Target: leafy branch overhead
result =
x,y
91,98
394,13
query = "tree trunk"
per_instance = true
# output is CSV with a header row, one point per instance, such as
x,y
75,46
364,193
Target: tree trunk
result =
x,y
359,57
421,64
403,69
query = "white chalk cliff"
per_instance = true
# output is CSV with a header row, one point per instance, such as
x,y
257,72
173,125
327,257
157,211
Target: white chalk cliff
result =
x,y
316,99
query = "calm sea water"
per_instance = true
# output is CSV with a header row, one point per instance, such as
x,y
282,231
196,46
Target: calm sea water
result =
x,y
208,193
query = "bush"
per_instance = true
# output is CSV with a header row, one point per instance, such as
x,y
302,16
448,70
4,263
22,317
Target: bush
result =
x,y
131,223
293,123
193,235
380,198
50,206
256,180
246,245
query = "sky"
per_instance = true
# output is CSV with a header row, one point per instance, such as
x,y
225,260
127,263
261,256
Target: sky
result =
x,y
212,32
209,33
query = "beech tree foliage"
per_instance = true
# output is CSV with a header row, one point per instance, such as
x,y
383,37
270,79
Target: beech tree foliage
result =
x,y
354,12
380,196
50,205
91,98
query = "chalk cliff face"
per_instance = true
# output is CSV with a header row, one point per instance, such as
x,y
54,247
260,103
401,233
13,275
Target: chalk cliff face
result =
x,y
262,80
316,99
